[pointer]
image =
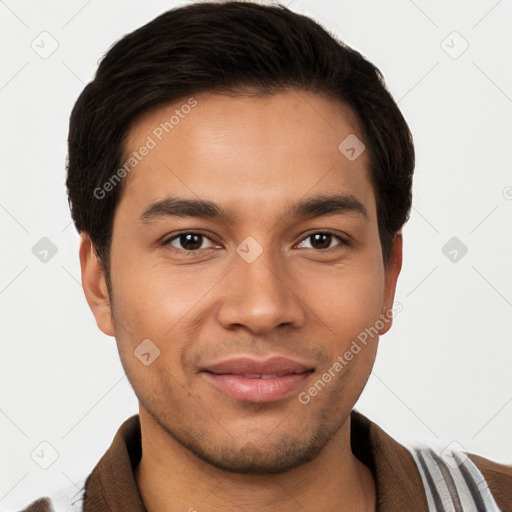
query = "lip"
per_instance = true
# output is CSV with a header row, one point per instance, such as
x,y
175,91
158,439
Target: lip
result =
x,y
252,380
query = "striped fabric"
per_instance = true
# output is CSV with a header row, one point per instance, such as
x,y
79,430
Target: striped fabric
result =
x,y
452,481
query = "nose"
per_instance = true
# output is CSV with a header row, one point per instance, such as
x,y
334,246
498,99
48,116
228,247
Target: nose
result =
x,y
260,295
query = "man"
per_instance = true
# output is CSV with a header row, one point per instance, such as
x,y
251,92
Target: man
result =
x,y
239,180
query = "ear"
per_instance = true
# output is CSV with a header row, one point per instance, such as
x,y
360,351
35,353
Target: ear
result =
x,y
391,271
95,286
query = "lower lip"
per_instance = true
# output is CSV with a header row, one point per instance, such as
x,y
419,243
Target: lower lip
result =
x,y
257,390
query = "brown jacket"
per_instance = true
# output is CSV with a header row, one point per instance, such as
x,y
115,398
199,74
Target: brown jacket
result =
x,y
407,479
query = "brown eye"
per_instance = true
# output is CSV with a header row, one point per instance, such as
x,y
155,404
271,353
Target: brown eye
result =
x,y
321,240
188,241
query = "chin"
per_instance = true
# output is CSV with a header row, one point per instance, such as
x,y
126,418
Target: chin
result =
x,y
281,456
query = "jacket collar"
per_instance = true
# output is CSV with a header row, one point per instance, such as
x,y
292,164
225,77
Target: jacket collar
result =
x,y
398,481
112,484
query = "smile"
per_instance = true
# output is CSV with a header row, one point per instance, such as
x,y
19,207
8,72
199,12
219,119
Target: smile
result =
x,y
256,381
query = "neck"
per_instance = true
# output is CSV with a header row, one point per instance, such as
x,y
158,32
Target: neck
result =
x,y
168,475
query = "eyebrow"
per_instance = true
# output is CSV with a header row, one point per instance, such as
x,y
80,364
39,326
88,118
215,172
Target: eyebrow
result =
x,y
306,209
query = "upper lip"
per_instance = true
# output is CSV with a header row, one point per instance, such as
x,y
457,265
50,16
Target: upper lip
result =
x,y
252,366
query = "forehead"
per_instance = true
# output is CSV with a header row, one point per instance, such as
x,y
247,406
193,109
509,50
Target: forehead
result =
x,y
258,152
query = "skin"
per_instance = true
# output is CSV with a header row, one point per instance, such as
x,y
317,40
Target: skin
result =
x,y
255,157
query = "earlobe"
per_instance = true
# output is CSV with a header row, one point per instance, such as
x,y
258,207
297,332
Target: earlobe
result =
x,y
392,271
95,286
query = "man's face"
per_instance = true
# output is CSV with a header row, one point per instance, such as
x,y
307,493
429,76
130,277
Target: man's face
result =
x,y
226,298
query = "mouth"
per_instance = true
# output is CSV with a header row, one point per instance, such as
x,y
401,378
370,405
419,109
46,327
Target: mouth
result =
x,y
252,380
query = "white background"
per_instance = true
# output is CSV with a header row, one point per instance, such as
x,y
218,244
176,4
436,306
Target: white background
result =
x,y
442,374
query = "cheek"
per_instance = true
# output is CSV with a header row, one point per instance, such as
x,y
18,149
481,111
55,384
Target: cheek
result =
x,y
152,299
347,298
167,307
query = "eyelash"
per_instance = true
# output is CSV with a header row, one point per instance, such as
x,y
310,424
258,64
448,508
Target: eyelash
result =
x,y
167,243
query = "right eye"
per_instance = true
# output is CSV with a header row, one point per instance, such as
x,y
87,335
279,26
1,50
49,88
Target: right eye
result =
x,y
189,242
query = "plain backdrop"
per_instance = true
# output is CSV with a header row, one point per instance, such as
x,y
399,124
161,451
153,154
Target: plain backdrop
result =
x,y
443,373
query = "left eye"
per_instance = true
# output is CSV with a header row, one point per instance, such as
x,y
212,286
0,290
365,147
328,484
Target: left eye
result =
x,y
321,240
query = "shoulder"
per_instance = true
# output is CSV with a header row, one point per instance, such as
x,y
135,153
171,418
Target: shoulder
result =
x,y
498,477
40,505
69,499
468,480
